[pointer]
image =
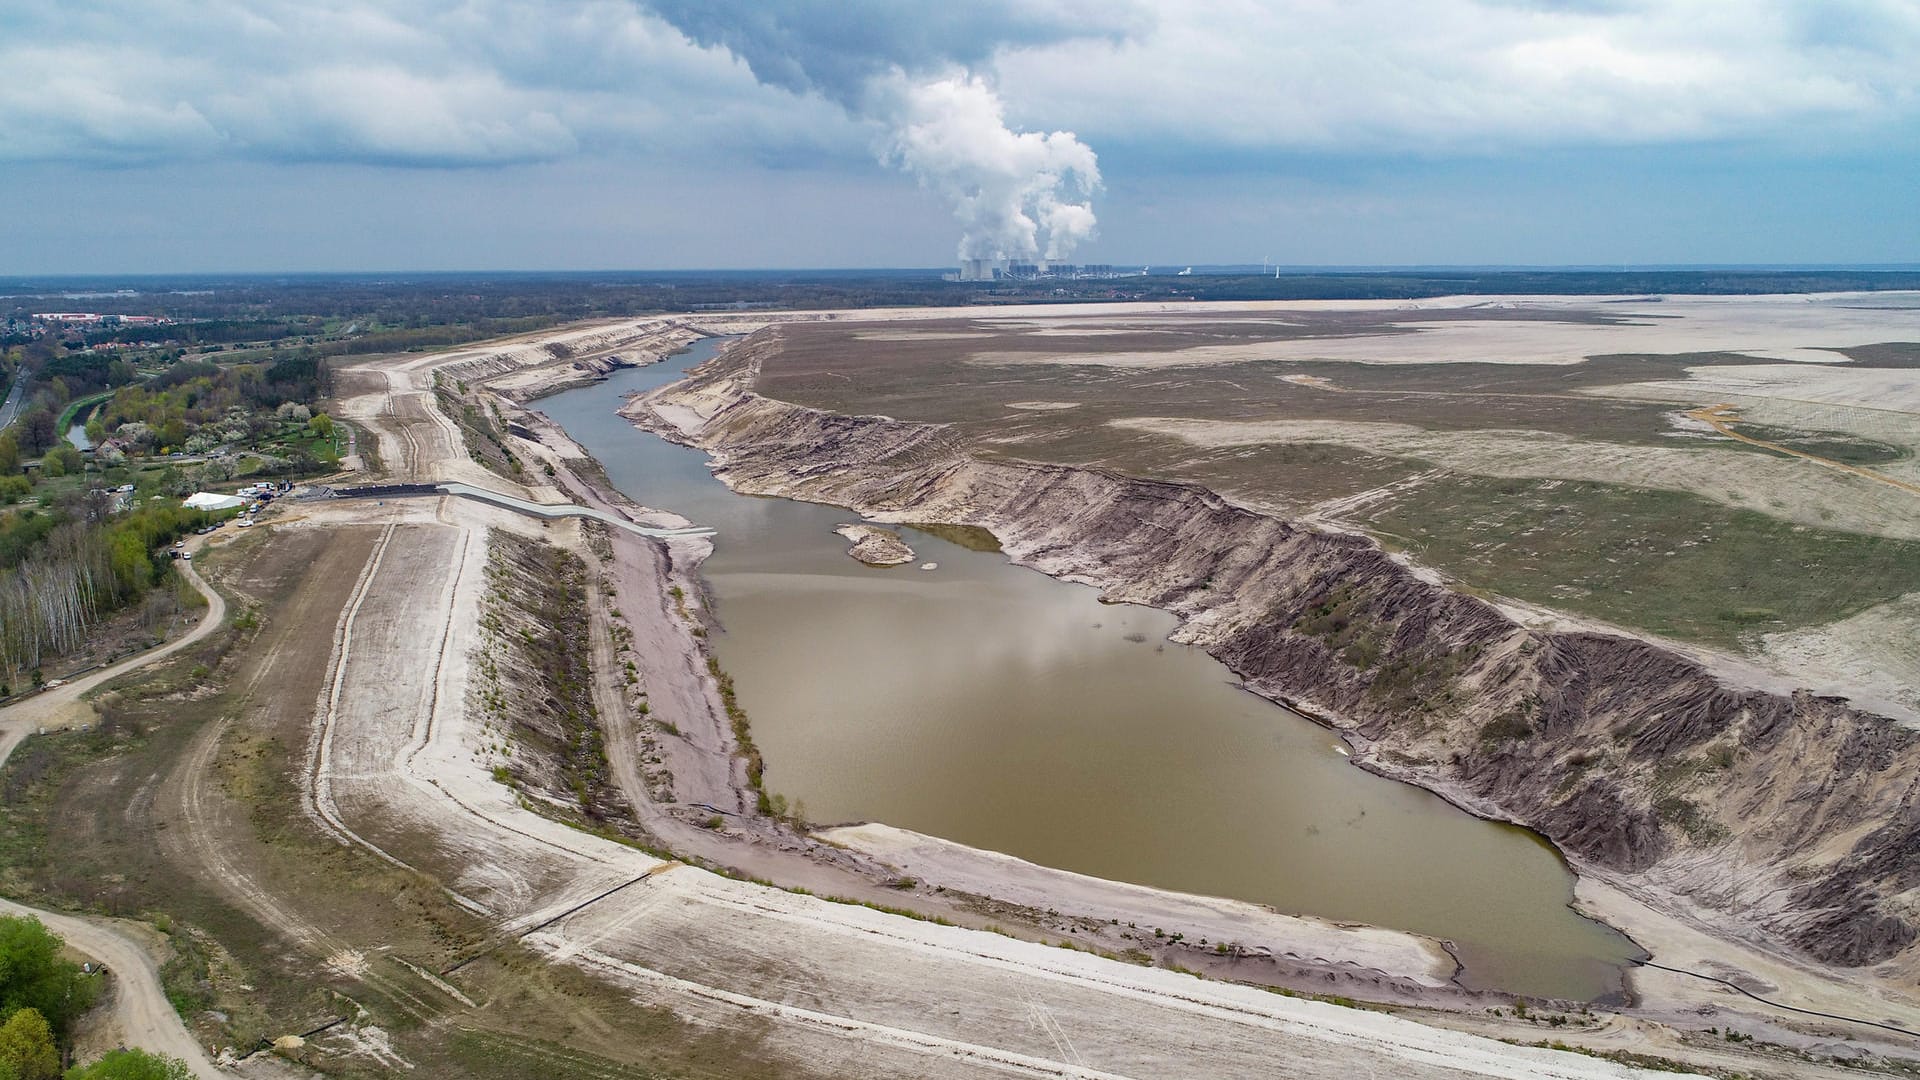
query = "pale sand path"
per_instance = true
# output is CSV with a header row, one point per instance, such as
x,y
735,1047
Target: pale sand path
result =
x,y
139,1005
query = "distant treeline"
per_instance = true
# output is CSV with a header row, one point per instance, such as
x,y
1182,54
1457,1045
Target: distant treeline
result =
x,y
416,331
1412,285
356,314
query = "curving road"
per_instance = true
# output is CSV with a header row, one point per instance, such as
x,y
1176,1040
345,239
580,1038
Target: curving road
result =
x,y
10,409
145,1016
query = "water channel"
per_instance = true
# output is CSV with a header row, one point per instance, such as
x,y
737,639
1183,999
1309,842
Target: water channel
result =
x,y
994,706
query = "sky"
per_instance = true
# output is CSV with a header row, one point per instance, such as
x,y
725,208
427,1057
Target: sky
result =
x,y
157,136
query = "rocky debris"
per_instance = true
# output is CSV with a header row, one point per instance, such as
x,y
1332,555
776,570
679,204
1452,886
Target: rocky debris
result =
x,y
1792,814
876,546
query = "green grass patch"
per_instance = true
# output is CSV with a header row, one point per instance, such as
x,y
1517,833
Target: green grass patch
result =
x,y
73,409
1832,445
1660,561
971,537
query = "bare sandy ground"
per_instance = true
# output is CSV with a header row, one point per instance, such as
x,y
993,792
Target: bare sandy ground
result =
x,y
1882,404
1895,390
1787,488
1680,943
1799,328
971,999
1875,652
397,755
1250,926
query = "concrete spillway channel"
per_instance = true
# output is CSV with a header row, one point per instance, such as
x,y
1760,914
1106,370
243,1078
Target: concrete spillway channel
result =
x,y
516,504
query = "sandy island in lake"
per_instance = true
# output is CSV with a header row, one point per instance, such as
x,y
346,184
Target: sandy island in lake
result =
x,y
876,546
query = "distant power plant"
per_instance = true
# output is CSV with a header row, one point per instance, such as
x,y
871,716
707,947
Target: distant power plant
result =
x,y
1007,270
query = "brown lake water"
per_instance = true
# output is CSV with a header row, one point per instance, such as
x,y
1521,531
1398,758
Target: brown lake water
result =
x,y
994,706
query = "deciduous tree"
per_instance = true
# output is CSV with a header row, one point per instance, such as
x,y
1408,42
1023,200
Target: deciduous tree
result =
x,y
33,976
37,430
26,1047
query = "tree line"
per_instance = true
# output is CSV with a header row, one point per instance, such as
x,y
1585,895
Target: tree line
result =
x,y
66,571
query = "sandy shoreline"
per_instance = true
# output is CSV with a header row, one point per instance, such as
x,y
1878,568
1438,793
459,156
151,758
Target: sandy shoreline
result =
x,y
1398,967
869,861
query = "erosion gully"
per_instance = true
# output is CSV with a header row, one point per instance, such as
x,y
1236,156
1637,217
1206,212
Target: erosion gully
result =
x,y
994,706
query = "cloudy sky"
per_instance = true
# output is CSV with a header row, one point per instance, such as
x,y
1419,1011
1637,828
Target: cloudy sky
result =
x,y
202,135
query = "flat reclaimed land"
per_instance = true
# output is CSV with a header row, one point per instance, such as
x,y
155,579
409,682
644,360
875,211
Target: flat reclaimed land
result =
x,y
1737,474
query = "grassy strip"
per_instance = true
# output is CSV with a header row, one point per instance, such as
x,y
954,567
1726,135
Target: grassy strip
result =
x,y
742,730
1628,1057
536,669
771,804
480,428
1662,561
73,408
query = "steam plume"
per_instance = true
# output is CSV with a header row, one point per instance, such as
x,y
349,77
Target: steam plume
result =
x,y
907,66
1017,195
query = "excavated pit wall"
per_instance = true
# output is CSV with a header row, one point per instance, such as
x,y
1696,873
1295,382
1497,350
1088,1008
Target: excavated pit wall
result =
x,y
1797,813
583,357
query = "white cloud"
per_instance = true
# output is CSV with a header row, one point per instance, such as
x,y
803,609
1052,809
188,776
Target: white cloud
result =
x,y
476,82
1372,75
454,82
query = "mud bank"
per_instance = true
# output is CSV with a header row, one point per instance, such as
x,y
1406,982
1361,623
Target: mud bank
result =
x,y
1782,820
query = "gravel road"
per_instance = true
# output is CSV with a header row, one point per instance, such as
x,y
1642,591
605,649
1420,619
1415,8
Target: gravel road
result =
x,y
140,1007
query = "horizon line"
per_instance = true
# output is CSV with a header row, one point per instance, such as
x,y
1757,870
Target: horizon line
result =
x,y
1170,268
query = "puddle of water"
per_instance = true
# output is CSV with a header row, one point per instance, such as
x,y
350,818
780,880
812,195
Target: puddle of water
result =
x,y
994,706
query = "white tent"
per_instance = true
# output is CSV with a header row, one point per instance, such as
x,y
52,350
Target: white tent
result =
x,y
208,500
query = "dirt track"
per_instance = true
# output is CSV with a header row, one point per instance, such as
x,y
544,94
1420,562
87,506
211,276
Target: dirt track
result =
x,y
141,1012
140,1009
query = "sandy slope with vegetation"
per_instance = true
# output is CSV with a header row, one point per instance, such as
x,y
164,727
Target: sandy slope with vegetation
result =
x,y
747,436
420,753
138,1010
